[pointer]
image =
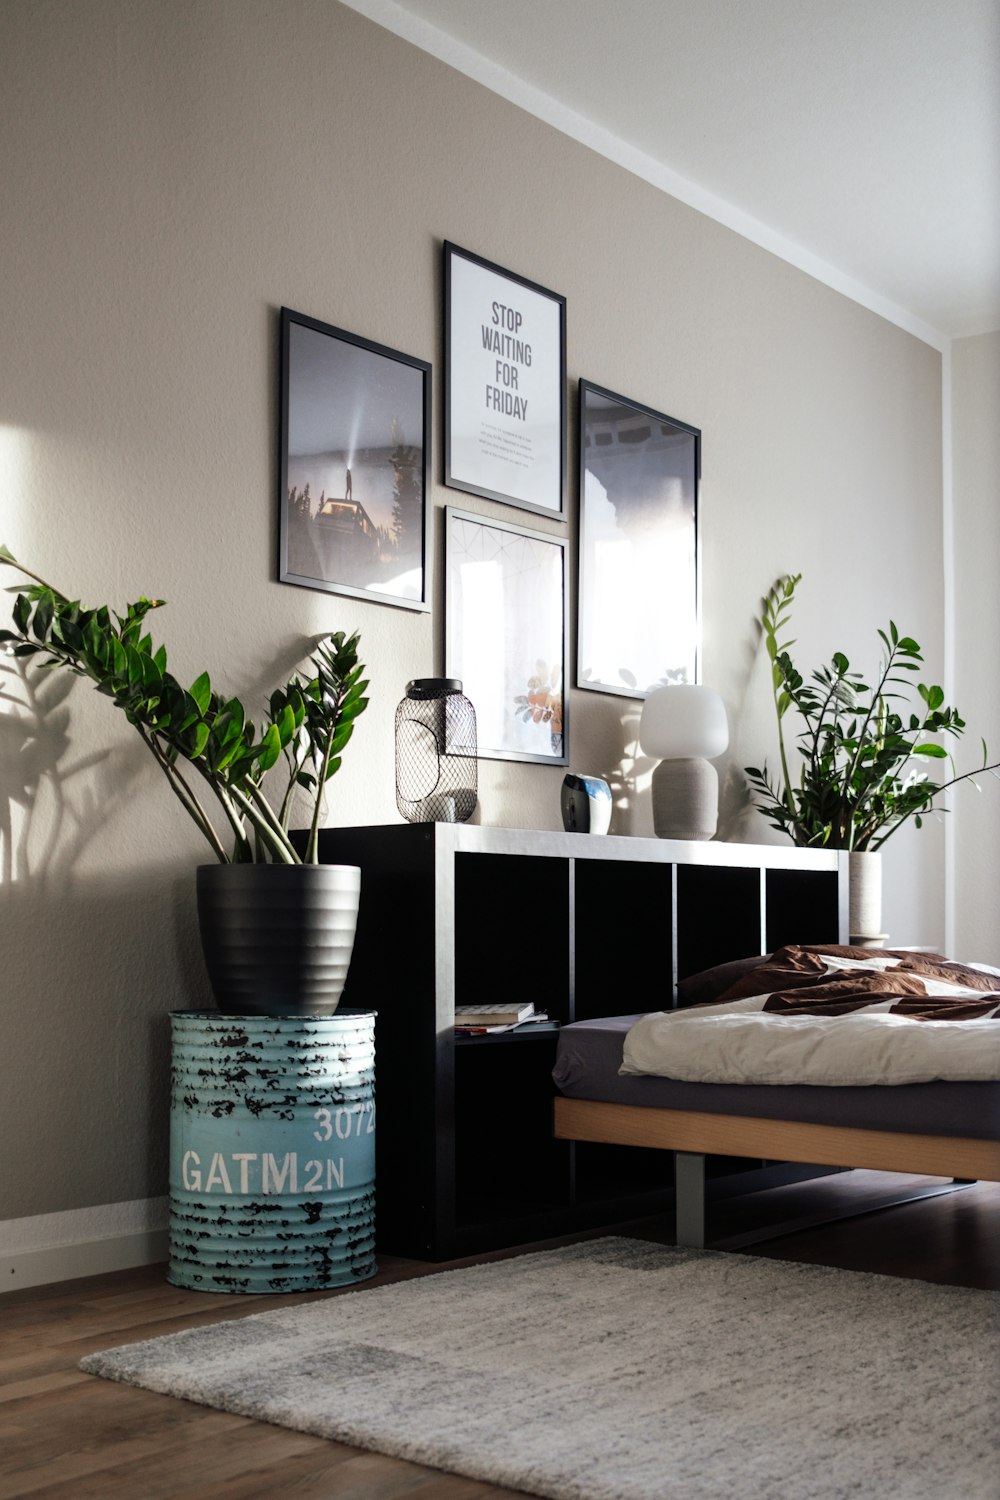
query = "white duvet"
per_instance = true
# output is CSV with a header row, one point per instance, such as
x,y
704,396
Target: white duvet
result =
x,y
740,1042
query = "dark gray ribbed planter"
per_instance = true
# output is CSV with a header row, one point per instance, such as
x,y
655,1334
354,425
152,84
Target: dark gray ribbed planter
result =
x,y
278,939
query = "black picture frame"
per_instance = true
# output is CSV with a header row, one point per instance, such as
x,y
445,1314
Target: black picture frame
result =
x,y
638,618
506,633
353,412
504,385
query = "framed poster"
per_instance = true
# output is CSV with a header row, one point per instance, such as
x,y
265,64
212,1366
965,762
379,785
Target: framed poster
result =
x,y
505,634
354,465
505,385
638,605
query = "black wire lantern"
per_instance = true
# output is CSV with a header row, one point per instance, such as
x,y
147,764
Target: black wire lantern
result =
x,y
436,769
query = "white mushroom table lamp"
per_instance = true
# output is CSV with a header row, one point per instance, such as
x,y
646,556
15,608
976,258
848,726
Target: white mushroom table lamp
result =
x,y
684,726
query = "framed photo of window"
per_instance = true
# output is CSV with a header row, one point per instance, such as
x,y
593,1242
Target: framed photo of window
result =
x,y
354,465
638,624
505,385
505,634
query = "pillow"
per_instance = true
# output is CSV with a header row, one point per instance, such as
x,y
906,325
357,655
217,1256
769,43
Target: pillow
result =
x,y
709,984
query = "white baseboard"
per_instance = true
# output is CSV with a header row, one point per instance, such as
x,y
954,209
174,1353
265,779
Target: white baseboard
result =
x,y
82,1242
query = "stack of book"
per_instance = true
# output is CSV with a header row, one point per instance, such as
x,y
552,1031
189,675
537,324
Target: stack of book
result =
x,y
481,1020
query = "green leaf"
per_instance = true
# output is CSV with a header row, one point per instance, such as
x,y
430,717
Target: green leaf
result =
x,y
44,610
201,692
936,752
201,735
235,722
269,749
285,725
6,555
352,710
341,736
22,613
226,757
134,665
65,629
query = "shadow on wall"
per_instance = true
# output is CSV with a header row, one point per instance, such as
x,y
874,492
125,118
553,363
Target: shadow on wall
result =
x,y
629,780
51,807
91,973
92,962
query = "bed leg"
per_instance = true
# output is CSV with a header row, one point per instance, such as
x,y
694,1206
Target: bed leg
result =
x,y
689,1197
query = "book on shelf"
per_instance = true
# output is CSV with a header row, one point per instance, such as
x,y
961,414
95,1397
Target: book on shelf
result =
x,y
493,1015
536,1018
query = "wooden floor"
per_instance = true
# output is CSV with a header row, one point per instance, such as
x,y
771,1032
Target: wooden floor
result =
x,y
68,1435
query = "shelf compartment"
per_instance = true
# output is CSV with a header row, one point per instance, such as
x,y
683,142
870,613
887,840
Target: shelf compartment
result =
x,y
719,915
512,931
623,921
507,1161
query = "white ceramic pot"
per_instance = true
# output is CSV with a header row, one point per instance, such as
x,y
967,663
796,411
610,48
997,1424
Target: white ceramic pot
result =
x,y
865,898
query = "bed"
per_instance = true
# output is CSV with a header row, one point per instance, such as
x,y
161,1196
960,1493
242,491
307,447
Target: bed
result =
x,y
938,1126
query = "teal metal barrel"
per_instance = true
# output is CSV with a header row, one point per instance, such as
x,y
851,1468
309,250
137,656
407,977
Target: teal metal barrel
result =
x,y
272,1151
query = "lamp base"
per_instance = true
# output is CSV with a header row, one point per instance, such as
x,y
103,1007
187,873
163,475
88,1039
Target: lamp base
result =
x,y
685,799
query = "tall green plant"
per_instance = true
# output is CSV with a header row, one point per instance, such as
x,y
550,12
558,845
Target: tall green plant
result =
x,y
860,747
307,724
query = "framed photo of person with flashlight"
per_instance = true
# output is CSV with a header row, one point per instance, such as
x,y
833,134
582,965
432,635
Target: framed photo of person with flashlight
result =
x,y
505,385
354,465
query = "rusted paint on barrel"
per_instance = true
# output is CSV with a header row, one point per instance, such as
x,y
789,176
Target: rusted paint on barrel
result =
x,y
272,1151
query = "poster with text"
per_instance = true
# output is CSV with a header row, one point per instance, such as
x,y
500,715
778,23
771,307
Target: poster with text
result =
x,y
505,386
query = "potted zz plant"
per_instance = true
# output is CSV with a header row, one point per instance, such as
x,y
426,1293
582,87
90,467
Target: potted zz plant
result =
x,y
277,927
861,747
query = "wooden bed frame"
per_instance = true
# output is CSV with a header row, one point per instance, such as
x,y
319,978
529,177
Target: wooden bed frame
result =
x,y
694,1135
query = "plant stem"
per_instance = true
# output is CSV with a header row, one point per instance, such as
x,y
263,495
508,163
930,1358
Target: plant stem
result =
x,y
312,847
285,810
185,795
266,826
10,563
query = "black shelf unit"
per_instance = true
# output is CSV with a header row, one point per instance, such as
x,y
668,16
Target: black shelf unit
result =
x,y
582,926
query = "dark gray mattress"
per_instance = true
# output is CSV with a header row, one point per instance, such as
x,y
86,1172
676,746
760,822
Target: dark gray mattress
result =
x,y
589,1054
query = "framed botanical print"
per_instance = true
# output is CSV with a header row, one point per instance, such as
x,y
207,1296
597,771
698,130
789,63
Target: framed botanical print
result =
x,y
505,634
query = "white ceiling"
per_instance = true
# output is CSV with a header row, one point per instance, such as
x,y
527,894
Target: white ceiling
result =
x,y
859,139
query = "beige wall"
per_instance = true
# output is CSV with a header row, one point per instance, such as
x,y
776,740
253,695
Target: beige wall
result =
x,y
172,175
976,815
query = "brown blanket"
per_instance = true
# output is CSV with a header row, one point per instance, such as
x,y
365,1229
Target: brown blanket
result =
x,y
800,980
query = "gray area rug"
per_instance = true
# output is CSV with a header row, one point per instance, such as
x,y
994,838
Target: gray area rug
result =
x,y
621,1370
